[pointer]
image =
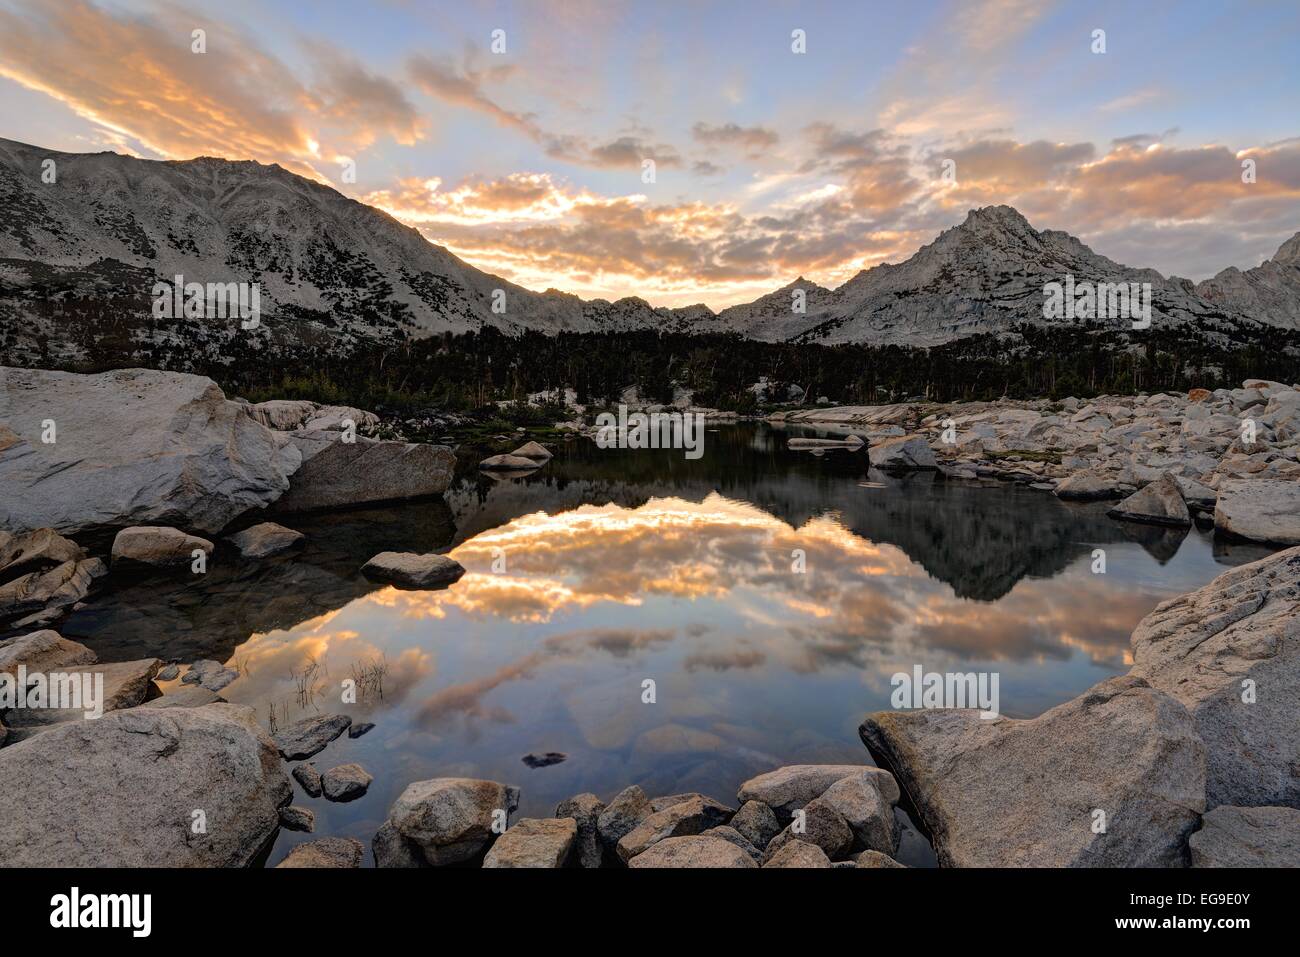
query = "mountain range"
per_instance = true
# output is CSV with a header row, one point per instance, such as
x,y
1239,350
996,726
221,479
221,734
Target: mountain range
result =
x,y
79,256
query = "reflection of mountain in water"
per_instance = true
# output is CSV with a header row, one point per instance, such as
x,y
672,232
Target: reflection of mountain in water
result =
x,y
185,617
979,538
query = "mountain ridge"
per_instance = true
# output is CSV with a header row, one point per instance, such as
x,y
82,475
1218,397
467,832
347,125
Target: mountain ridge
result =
x,y
331,267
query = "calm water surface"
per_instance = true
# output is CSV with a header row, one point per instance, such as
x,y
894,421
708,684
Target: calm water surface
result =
x,y
608,567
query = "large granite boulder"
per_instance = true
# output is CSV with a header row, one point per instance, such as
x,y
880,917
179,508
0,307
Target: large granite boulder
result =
x,y
1230,652
1247,837
338,473
625,811
1113,778
1259,509
452,819
123,791
133,447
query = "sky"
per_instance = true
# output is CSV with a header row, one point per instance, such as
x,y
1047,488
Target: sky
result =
x,y
527,156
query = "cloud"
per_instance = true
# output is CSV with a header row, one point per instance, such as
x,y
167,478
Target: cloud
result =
x,y
752,140
135,77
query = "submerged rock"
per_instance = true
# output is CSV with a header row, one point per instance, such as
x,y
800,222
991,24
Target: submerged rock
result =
x,y
1230,653
265,540
327,852
210,674
1160,503
308,737
534,842
1261,510
452,819
1247,837
158,545
544,760
695,851
59,813
201,458
408,570
1028,793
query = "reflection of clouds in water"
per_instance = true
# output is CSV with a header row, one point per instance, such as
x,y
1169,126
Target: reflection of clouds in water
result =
x,y
858,607
466,698
270,662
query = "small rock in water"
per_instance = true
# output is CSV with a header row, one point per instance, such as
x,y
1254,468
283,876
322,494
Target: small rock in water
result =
x,y
169,672
309,736
327,852
212,675
409,570
508,463
347,782
533,450
265,540
360,728
309,778
297,818
158,545
544,760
